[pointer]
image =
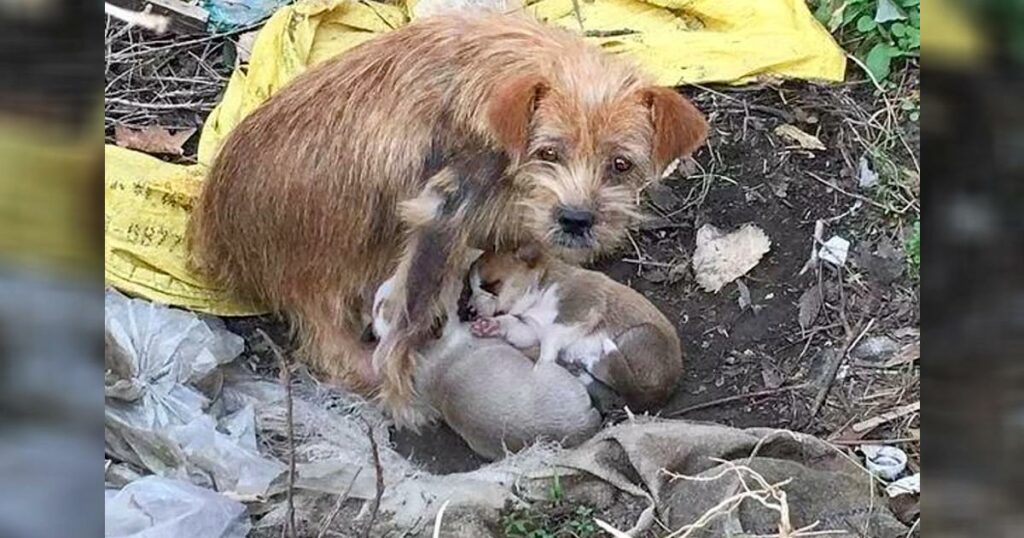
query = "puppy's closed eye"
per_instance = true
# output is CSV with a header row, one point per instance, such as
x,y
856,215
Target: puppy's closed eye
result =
x,y
491,286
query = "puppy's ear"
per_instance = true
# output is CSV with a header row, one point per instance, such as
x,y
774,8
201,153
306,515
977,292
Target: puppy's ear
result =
x,y
510,111
531,254
679,128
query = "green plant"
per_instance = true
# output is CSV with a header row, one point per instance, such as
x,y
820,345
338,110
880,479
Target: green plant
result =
x,y
553,518
913,249
877,31
556,494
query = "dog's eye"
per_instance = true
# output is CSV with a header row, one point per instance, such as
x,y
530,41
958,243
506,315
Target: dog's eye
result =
x,y
548,154
622,165
490,286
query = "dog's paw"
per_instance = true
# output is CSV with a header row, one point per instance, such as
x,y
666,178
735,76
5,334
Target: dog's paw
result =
x,y
485,328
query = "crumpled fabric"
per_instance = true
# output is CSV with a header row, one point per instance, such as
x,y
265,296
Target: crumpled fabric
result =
x,y
679,41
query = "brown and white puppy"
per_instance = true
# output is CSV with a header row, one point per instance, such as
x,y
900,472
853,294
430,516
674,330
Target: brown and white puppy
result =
x,y
540,136
489,392
582,317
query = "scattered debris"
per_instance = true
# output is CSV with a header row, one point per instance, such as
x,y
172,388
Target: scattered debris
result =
x,y
809,306
875,349
866,177
655,276
723,257
819,234
152,139
801,138
886,462
744,299
159,507
771,376
835,251
907,485
910,353
226,15
161,377
244,45
142,19
858,430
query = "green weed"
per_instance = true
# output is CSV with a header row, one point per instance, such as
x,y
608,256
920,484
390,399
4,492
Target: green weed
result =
x,y
913,249
878,32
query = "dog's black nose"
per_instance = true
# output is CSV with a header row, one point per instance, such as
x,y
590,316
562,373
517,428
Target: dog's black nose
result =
x,y
575,221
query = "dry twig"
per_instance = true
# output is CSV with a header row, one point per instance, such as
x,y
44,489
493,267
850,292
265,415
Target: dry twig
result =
x,y
380,477
736,398
286,378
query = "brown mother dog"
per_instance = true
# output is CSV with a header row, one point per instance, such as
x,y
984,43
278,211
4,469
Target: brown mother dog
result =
x,y
523,130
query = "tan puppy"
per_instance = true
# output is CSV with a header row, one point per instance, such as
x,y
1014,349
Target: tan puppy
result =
x,y
541,136
588,320
490,393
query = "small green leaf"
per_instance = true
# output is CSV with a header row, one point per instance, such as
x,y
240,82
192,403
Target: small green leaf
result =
x,y
898,29
865,24
879,59
911,3
887,10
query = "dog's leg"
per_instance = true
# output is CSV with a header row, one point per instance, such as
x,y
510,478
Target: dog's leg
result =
x,y
427,279
329,327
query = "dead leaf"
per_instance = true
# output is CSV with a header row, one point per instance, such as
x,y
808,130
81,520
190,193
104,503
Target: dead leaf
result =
x,y
744,299
152,139
723,257
794,134
810,306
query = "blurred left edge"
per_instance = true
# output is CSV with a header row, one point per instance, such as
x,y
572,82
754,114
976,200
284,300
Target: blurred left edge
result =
x,y
51,288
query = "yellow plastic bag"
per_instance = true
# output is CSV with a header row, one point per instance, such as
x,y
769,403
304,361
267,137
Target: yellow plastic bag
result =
x,y
679,41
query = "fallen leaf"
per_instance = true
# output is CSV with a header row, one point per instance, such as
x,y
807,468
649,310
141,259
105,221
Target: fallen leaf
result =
x,y
721,257
809,306
152,139
794,134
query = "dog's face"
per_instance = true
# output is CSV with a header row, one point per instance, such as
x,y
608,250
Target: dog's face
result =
x,y
584,149
500,279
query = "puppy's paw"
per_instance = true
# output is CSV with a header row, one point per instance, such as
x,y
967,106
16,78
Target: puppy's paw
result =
x,y
485,328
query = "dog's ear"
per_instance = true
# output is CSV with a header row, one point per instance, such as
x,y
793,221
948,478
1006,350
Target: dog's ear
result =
x,y
510,111
531,254
679,128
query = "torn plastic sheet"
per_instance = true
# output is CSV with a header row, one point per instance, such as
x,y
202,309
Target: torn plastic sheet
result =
x,y
158,507
159,361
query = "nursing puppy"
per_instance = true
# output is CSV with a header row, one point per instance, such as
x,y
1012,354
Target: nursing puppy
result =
x,y
531,134
583,317
489,392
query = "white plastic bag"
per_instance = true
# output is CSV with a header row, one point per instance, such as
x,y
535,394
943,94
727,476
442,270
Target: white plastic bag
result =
x,y
157,507
157,416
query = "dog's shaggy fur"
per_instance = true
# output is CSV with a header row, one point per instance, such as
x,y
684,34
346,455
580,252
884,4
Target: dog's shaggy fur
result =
x,y
527,132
